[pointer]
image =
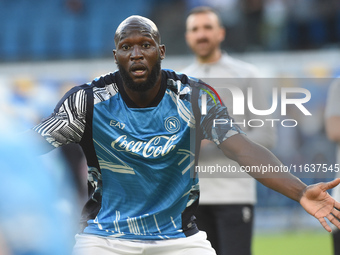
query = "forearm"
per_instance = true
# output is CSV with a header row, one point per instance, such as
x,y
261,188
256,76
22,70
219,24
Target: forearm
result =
x,y
283,182
253,154
290,187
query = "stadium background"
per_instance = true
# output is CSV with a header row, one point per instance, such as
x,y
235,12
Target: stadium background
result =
x,y
48,46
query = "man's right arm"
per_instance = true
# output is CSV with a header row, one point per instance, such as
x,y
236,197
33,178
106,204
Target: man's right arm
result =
x,y
66,125
332,112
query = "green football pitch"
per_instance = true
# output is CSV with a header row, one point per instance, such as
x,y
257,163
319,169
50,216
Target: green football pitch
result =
x,y
304,243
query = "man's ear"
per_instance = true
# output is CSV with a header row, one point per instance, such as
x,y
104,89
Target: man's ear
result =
x,y
114,55
222,34
162,51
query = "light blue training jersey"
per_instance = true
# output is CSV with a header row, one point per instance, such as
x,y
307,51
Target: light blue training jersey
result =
x,y
140,160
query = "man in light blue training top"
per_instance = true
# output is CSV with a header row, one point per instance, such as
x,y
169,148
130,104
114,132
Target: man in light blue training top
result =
x,y
138,128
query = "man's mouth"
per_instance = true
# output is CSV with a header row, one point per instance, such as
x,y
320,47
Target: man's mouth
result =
x,y
138,70
202,41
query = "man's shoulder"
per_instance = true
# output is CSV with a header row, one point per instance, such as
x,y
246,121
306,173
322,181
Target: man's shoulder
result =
x,y
226,67
100,88
97,82
184,84
172,77
172,74
190,68
104,80
241,67
185,79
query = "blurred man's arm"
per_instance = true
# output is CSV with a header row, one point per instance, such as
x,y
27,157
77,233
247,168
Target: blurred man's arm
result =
x,y
32,136
332,128
332,112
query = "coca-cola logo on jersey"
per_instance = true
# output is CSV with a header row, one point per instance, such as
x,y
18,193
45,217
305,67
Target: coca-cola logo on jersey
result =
x,y
156,146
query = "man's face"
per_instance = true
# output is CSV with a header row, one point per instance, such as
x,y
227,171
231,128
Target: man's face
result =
x,y
138,57
203,33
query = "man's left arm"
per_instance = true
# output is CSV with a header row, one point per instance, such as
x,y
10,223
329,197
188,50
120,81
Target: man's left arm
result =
x,y
314,198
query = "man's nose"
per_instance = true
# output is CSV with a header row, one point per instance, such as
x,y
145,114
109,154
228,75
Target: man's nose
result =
x,y
136,53
200,33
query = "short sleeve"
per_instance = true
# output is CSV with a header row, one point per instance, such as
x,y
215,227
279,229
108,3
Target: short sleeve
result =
x,y
67,123
216,123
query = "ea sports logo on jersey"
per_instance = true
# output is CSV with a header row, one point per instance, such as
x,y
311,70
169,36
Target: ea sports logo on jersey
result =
x,y
172,124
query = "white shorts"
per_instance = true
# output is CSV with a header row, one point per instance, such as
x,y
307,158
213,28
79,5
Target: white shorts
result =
x,y
196,244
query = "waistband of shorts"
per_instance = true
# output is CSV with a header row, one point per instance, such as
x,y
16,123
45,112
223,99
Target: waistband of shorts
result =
x,y
191,231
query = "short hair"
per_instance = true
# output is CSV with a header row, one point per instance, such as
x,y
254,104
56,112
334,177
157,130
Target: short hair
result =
x,y
137,21
206,9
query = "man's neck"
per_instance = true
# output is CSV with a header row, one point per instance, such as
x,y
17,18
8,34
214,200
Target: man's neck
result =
x,y
144,98
211,58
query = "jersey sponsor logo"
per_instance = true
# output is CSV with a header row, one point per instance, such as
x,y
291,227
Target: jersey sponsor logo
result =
x,y
156,146
172,124
114,123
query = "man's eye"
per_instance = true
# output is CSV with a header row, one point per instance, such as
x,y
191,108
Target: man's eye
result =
x,y
125,47
146,45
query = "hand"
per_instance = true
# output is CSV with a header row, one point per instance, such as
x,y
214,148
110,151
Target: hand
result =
x,y
317,202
